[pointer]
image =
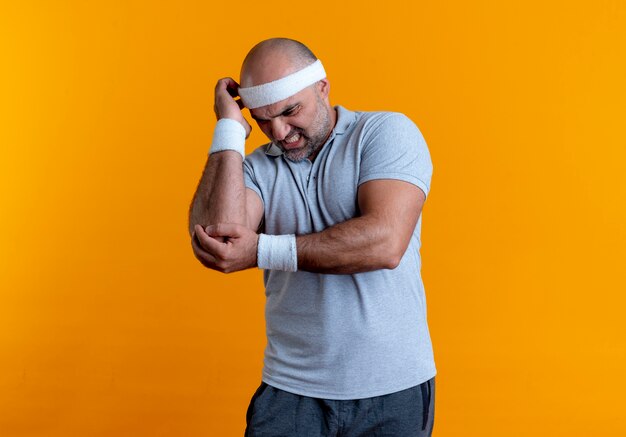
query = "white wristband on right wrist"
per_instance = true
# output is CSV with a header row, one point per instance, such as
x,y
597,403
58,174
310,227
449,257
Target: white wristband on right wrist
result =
x,y
229,134
277,252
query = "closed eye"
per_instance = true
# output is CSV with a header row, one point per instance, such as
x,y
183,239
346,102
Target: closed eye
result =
x,y
291,111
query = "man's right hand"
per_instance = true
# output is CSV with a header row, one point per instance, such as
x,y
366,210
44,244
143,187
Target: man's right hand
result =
x,y
225,104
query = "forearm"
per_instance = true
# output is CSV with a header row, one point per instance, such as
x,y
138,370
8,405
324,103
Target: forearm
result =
x,y
358,245
220,196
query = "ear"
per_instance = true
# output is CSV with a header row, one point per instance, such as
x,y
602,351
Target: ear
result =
x,y
324,87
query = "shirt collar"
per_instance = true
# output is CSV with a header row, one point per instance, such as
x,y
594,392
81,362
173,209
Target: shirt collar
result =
x,y
345,118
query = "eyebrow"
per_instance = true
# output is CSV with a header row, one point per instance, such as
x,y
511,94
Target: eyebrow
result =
x,y
283,112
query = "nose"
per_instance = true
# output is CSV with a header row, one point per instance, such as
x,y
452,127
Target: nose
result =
x,y
280,129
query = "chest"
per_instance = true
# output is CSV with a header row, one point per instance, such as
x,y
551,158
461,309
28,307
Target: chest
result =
x,y
305,197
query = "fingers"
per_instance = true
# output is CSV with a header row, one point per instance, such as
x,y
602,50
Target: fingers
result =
x,y
229,85
227,102
237,252
202,255
233,89
230,230
210,244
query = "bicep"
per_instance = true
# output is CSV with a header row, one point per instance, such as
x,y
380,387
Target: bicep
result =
x,y
254,210
395,205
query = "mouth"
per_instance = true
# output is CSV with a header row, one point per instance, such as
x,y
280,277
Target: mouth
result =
x,y
293,142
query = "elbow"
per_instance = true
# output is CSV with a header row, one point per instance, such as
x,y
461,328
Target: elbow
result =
x,y
191,228
391,261
392,255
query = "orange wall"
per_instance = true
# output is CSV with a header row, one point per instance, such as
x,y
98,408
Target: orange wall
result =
x,y
110,327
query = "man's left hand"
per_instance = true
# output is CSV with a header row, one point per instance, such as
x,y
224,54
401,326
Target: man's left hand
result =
x,y
225,247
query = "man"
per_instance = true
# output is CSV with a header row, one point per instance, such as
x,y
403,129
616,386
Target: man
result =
x,y
331,209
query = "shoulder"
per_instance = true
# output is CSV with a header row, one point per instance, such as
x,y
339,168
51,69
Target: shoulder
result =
x,y
374,125
381,127
377,117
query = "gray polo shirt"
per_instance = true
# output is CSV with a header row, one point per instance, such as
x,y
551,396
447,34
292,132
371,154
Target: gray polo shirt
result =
x,y
343,336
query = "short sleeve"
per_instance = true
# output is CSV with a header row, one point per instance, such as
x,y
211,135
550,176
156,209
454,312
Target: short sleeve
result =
x,y
249,179
394,148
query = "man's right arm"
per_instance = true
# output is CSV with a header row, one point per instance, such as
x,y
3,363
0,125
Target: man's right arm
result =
x,y
221,196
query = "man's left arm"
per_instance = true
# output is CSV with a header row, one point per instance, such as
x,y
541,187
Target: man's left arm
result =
x,y
377,239
394,180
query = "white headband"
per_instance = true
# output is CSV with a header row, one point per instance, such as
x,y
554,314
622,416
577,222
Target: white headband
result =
x,y
277,90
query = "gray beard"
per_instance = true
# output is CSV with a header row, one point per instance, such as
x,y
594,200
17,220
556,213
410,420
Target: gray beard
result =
x,y
310,146
315,142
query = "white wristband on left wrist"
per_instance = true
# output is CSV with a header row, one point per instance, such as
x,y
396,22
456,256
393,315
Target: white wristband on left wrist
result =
x,y
277,252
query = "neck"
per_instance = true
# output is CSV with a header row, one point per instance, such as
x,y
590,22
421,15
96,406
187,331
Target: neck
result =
x,y
332,124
